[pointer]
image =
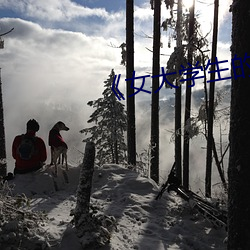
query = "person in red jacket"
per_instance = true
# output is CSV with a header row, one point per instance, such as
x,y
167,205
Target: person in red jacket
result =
x,y
29,150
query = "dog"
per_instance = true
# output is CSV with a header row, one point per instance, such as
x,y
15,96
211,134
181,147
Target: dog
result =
x,y
58,146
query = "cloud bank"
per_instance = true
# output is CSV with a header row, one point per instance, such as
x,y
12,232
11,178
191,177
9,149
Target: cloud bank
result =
x,y
58,57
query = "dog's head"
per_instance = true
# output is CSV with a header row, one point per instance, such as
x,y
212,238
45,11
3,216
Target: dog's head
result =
x,y
61,126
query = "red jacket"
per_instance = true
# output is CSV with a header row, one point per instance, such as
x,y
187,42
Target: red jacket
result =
x,y
55,139
37,159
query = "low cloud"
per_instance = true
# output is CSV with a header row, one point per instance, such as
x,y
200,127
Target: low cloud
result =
x,y
50,75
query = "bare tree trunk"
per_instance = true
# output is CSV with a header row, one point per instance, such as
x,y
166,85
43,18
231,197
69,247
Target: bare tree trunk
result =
x,y
3,162
216,158
115,142
154,168
188,101
211,104
94,231
131,129
178,160
239,159
116,152
81,215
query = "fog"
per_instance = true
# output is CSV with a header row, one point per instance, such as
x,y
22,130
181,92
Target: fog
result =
x,y
47,77
198,143
51,69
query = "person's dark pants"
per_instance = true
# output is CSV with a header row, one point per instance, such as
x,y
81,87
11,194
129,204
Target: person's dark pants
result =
x,y
25,171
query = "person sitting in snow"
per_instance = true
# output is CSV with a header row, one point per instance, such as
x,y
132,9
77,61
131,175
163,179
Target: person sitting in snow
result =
x,y
29,150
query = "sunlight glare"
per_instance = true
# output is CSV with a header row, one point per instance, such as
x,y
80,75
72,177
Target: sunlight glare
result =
x,y
188,3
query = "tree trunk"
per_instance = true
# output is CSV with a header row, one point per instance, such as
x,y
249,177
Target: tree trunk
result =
x,y
178,100
154,168
131,129
211,104
218,164
3,162
94,231
239,159
81,215
188,101
115,142
116,152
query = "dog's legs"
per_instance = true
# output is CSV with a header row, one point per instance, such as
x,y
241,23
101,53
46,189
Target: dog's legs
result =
x,y
55,158
56,170
51,156
57,152
66,161
59,159
63,157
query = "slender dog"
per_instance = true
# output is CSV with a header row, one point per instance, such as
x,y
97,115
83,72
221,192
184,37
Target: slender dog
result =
x,y
58,146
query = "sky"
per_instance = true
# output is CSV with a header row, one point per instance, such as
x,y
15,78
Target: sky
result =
x,y
61,51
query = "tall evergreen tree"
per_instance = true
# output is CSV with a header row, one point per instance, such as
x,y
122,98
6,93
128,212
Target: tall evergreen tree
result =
x,y
210,120
3,160
174,64
239,159
178,91
110,124
188,99
176,56
3,164
190,44
154,168
131,128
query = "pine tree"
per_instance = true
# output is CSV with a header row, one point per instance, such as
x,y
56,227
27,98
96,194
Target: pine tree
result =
x,y
110,121
3,165
210,139
154,167
238,170
178,93
190,49
131,125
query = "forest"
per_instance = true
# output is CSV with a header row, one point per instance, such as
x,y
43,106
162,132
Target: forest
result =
x,y
182,122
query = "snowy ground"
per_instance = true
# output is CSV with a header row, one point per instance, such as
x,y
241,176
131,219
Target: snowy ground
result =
x,y
142,222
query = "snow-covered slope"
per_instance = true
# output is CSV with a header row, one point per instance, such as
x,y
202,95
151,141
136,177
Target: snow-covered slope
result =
x,y
141,221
